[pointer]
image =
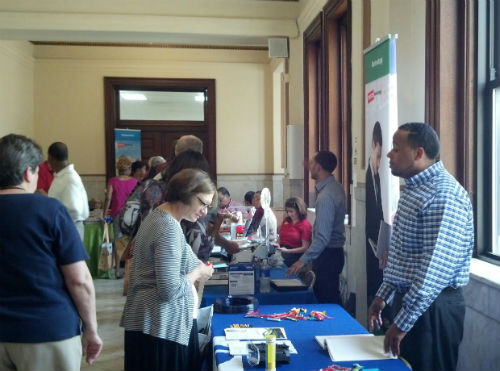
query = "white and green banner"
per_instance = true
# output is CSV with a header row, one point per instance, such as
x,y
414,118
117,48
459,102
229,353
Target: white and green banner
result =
x,y
382,188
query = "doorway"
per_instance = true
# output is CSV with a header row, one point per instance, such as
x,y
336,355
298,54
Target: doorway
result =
x,y
169,114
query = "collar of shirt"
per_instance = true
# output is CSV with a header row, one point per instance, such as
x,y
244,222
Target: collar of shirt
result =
x,y
320,185
425,175
64,170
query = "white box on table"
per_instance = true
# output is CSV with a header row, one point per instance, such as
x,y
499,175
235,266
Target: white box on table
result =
x,y
241,279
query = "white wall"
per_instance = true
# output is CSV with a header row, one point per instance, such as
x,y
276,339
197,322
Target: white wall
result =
x,y
16,95
69,99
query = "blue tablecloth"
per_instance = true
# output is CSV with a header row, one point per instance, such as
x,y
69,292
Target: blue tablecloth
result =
x,y
211,293
310,355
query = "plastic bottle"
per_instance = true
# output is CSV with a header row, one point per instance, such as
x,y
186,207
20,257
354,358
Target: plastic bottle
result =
x,y
271,352
256,265
233,231
265,277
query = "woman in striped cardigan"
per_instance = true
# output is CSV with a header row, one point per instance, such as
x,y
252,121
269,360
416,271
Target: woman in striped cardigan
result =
x,y
161,308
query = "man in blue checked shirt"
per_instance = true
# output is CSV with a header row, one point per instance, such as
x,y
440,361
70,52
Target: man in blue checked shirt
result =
x,y
429,256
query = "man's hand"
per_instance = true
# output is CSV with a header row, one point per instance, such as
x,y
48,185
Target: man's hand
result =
x,y
91,345
375,314
392,339
295,268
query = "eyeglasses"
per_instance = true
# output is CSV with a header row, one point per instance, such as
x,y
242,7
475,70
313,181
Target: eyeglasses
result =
x,y
203,203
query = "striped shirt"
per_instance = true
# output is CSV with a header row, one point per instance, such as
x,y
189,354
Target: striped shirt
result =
x,y
431,243
328,229
160,300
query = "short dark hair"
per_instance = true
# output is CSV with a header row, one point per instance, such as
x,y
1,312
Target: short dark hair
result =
x,y
224,191
377,134
59,151
249,196
136,165
184,185
185,160
327,160
17,153
298,205
422,135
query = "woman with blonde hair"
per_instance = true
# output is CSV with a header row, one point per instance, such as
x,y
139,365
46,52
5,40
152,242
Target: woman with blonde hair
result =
x,y
162,303
118,189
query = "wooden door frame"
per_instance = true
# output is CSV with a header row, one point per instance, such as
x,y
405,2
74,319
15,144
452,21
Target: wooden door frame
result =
x,y
112,114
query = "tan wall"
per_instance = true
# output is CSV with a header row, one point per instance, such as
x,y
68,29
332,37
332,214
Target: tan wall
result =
x,y
16,93
69,100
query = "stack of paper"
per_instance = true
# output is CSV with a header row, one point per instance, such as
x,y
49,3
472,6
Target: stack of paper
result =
x,y
254,333
362,347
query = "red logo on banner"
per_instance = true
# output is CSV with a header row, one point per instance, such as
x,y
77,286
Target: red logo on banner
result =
x,y
371,96
121,145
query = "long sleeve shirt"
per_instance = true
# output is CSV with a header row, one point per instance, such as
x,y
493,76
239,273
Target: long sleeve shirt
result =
x,y
431,245
160,300
328,228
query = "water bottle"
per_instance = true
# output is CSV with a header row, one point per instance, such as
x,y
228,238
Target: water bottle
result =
x,y
256,265
233,231
265,277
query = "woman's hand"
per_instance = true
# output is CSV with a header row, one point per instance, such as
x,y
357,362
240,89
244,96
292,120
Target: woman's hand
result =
x,y
205,271
282,249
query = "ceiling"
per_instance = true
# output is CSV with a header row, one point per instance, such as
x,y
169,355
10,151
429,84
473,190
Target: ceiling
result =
x,y
235,23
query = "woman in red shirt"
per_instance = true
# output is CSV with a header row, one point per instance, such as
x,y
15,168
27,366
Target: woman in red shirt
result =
x,y
295,231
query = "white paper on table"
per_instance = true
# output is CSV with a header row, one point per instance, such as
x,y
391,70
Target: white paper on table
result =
x,y
253,333
321,339
356,348
240,348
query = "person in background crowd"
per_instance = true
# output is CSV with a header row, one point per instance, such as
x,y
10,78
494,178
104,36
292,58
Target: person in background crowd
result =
x,y
187,142
295,231
45,178
263,221
327,248
116,194
228,207
153,164
138,170
67,185
248,199
161,308
429,256
45,285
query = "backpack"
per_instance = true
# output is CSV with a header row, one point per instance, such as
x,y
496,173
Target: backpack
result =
x,y
129,217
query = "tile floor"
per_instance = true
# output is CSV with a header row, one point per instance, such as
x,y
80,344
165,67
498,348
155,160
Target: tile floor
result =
x,y
109,310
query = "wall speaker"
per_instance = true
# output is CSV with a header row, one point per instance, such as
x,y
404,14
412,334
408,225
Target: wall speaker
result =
x,y
278,47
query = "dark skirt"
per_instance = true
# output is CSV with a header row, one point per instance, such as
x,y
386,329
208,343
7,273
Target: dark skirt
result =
x,y
146,352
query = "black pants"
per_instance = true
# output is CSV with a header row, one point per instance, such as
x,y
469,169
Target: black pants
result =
x,y
146,352
289,259
432,343
327,268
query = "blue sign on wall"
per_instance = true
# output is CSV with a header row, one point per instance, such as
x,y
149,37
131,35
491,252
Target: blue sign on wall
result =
x,y
128,143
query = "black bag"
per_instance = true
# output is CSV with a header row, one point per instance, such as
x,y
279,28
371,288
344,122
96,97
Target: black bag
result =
x,y
129,215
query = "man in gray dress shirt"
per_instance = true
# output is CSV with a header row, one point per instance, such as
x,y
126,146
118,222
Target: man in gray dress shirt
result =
x,y
327,247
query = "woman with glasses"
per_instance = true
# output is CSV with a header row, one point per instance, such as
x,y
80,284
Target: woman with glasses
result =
x,y
162,303
295,231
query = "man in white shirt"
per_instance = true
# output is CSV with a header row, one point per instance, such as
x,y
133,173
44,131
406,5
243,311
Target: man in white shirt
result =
x,y
67,185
